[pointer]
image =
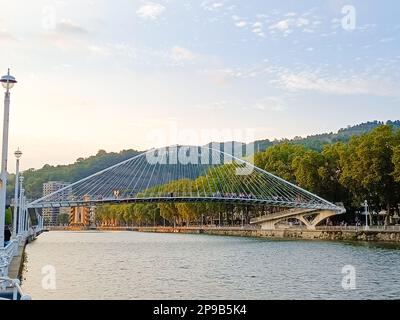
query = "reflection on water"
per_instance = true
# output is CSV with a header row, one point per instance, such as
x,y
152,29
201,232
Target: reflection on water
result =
x,y
131,265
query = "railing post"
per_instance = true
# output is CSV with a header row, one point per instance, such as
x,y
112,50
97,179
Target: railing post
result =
x,y
15,284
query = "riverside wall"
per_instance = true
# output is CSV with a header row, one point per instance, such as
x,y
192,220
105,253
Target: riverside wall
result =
x,y
335,235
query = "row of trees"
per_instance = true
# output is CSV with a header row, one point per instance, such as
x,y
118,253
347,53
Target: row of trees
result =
x,y
318,141
365,168
176,214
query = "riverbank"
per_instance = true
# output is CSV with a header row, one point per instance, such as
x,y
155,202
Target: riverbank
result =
x,y
17,263
344,234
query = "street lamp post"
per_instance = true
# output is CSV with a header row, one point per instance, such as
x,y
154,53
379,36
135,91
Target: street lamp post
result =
x,y
8,82
20,211
25,212
366,214
18,155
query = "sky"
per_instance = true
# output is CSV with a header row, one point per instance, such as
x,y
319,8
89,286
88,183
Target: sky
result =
x,y
121,74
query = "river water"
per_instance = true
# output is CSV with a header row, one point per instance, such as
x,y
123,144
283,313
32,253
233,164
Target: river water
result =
x,y
131,265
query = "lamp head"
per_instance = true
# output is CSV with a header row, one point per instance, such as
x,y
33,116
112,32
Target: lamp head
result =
x,y
18,154
8,81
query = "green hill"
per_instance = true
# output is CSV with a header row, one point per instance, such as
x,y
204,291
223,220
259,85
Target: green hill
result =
x,y
82,168
316,142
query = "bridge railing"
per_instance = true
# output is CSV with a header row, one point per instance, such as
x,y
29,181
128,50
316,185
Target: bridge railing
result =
x,y
6,255
10,289
359,228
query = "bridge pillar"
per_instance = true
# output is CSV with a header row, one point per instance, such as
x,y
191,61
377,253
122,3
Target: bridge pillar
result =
x,y
308,225
268,225
310,218
321,216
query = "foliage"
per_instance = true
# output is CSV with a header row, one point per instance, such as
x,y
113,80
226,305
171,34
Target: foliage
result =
x,y
83,167
319,141
356,164
365,168
63,218
8,216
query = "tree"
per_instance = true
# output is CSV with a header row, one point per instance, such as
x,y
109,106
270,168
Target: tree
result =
x,y
396,163
63,219
8,220
396,157
367,168
330,173
305,167
279,159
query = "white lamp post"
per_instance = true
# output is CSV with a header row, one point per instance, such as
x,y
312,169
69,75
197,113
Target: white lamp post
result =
x,y
8,82
20,211
366,214
25,211
18,155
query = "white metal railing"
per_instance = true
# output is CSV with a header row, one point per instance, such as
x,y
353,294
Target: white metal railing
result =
x,y
6,255
12,287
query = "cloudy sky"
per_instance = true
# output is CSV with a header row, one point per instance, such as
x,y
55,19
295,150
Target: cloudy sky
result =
x,y
113,75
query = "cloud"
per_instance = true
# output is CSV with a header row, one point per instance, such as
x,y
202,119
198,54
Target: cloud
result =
x,y
212,6
182,54
66,26
241,24
213,106
386,40
287,26
306,81
150,10
257,29
302,22
98,50
281,25
66,34
275,104
6,36
221,77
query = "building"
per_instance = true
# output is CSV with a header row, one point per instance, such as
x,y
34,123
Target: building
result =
x,y
83,216
50,215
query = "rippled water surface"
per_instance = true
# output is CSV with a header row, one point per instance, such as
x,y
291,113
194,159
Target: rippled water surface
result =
x,y
131,265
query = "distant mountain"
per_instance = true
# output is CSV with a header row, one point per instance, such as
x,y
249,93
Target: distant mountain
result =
x,y
316,142
84,167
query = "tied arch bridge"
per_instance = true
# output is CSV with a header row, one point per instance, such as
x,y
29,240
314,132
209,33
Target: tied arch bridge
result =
x,y
185,174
